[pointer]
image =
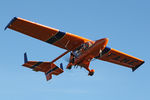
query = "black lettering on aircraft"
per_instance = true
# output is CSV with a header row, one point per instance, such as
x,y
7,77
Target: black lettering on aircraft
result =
x,y
125,60
132,63
121,59
111,54
117,58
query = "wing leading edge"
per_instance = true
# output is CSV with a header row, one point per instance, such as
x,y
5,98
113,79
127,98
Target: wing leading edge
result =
x,y
117,57
47,34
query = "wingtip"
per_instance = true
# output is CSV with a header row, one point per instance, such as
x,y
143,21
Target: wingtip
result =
x,y
10,23
134,68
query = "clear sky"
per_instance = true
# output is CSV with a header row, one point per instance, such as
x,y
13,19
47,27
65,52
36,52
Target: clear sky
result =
x,y
125,22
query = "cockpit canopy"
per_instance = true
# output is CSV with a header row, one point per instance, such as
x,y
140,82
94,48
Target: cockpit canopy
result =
x,y
82,48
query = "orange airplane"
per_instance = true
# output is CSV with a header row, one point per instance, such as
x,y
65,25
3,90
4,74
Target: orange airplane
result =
x,y
82,50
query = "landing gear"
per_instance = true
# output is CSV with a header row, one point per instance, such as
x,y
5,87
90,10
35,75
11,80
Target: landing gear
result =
x,y
91,73
69,66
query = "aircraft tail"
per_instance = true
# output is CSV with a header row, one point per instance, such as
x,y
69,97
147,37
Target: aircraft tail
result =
x,y
47,67
48,76
54,70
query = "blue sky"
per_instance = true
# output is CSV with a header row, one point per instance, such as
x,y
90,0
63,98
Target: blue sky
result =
x,y
126,24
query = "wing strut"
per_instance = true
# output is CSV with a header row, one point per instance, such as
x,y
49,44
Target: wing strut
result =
x,y
60,56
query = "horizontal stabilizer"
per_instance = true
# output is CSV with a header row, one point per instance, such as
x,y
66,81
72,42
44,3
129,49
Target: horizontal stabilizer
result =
x,y
55,70
47,67
48,77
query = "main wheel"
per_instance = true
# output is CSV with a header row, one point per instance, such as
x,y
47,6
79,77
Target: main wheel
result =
x,y
69,66
91,73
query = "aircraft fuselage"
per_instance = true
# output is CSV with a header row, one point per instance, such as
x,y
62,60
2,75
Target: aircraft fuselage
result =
x,y
86,52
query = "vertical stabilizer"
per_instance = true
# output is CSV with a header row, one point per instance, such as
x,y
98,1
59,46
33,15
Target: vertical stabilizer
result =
x,y
61,66
25,58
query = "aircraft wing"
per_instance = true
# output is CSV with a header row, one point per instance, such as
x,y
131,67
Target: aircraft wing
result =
x,y
50,35
117,57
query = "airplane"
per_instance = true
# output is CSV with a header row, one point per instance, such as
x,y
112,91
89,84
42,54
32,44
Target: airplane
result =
x,y
81,50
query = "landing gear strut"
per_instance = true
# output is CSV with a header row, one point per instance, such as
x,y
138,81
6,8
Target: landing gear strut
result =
x,y
69,66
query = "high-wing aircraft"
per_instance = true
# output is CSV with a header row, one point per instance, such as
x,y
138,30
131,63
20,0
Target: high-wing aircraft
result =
x,y
82,50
